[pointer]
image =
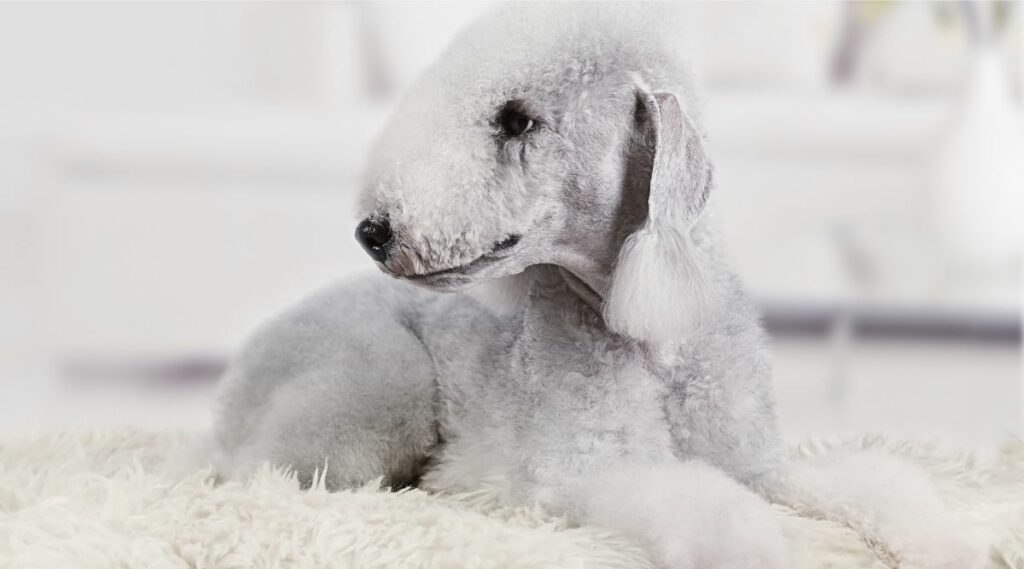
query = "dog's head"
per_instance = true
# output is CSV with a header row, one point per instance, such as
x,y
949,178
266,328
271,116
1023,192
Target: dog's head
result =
x,y
547,136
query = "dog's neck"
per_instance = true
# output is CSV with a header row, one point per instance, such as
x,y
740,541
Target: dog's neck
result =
x,y
516,295
656,356
508,294
586,275
581,288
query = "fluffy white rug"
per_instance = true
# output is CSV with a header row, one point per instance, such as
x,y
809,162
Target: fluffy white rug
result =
x,y
104,500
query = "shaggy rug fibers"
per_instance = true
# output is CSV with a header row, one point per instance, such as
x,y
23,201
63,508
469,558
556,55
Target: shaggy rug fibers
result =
x,y
105,500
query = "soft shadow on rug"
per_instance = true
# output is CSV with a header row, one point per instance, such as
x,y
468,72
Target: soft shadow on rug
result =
x,y
103,499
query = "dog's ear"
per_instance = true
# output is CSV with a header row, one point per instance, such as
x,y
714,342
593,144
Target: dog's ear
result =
x,y
660,288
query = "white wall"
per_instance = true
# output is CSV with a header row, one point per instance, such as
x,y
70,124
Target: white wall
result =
x,y
172,173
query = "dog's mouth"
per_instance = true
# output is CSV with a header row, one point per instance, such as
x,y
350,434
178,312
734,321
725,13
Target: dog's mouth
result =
x,y
460,274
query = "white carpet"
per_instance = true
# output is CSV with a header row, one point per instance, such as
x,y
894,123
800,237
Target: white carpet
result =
x,y
103,500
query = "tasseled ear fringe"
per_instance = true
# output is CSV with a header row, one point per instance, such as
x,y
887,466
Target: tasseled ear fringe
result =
x,y
661,291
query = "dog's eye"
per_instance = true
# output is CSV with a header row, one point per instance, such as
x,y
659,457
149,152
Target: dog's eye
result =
x,y
508,242
513,122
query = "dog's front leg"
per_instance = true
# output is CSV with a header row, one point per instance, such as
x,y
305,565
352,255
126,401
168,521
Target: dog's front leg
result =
x,y
687,515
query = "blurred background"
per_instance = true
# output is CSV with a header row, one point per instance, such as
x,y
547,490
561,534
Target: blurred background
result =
x,y
171,174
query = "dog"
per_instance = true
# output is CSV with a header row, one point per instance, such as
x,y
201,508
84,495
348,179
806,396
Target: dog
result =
x,y
594,354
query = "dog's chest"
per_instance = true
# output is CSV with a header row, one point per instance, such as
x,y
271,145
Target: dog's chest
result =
x,y
542,398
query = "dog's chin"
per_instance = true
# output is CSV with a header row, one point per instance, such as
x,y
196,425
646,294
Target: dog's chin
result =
x,y
452,279
463,277
444,283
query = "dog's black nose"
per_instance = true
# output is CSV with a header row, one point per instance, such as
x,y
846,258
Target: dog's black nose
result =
x,y
374,235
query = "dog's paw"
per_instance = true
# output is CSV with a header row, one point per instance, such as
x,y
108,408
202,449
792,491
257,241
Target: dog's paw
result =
x,y
739,536
687,516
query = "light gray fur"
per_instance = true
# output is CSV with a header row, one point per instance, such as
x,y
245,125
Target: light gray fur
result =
x,y
613,369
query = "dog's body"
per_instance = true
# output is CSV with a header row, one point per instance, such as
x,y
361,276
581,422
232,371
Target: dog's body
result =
x,y
622,381
527,399
539,404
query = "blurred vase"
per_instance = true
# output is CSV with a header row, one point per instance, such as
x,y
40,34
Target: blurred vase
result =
x,y
978,173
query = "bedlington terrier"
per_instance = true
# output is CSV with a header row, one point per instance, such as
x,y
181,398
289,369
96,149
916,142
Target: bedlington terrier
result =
x,y
609,367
